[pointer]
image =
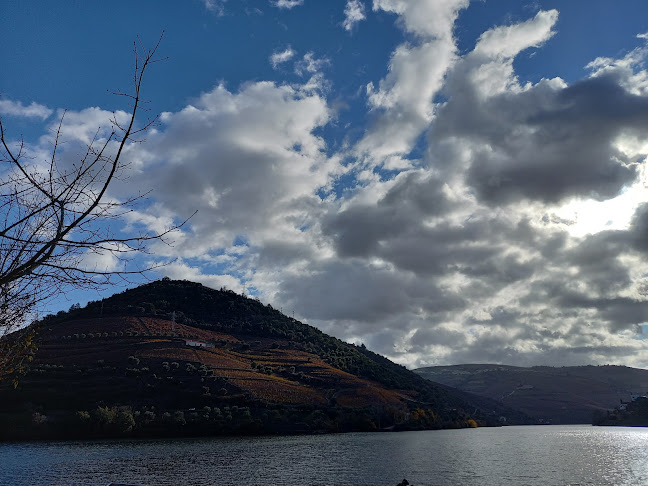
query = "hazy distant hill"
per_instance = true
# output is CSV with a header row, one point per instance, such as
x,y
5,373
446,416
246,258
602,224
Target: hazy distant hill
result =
x,y
175,357
560,395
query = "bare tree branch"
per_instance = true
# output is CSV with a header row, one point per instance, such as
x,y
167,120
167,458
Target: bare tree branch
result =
x,y
53,215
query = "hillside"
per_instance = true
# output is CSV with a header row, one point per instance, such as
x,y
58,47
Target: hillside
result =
x,y
175,357
558,395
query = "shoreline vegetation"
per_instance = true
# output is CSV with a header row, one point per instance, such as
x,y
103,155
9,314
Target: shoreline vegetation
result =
x,y
628,414
122,423
175,359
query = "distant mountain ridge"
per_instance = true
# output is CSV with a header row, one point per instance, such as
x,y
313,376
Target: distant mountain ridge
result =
x,y
571,394
177,358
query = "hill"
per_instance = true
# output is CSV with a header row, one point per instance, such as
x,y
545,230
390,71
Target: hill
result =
x,y
175,357
572,394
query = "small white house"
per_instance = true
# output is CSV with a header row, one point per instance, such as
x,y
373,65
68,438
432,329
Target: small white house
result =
x,y
198,344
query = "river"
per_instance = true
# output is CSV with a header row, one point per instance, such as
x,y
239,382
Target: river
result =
x,y
530,455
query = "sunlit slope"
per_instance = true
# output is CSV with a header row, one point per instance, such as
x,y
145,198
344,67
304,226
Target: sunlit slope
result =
x,y
153,350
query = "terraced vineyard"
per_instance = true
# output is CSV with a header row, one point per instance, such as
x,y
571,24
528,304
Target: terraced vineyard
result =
x,y
178,358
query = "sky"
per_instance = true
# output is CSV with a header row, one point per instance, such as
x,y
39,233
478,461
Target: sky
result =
x,y
445,181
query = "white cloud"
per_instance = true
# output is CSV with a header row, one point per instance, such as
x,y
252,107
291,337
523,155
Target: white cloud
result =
x,y
403,102
180,270
287,3
423,17
88,124
309,64
248,161
101,260
508,41
16,108
629,70
280,57
354,12
216,6
517,138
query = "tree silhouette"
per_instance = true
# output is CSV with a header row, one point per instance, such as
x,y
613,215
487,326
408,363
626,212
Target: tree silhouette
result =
x,y
54,214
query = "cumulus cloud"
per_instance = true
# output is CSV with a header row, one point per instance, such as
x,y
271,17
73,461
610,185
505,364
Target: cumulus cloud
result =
x,y
354,12
547,142
402,104
507,41
248,161
403,101
179,270
16,108
88,124
460,249
424,18
102,260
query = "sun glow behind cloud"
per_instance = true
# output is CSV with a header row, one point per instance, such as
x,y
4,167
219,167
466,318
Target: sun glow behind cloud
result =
x,y
587,216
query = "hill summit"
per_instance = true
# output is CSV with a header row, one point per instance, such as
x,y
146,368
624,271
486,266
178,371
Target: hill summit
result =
x,y
177,358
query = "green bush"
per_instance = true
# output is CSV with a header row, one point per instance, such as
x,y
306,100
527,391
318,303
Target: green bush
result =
x,y
179,418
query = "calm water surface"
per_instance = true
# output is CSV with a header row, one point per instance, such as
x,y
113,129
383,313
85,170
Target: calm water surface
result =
x,y
541,455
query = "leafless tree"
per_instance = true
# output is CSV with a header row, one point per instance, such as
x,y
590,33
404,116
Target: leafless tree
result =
x,y
54,214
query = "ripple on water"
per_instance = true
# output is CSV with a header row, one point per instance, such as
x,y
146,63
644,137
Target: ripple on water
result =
x,y
541,455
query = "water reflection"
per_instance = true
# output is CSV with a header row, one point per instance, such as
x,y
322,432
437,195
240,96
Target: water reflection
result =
x,y
565,455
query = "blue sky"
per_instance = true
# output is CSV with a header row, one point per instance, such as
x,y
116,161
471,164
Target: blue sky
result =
x,y
447,181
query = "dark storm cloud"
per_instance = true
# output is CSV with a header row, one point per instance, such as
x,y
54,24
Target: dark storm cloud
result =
x,y
439,336
639,229
278,253
619,312
595,282
396,230
345,291
359,229
356,290
545,143
504,270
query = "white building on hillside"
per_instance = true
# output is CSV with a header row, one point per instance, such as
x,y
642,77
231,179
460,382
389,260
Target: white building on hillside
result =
x,y
198,344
